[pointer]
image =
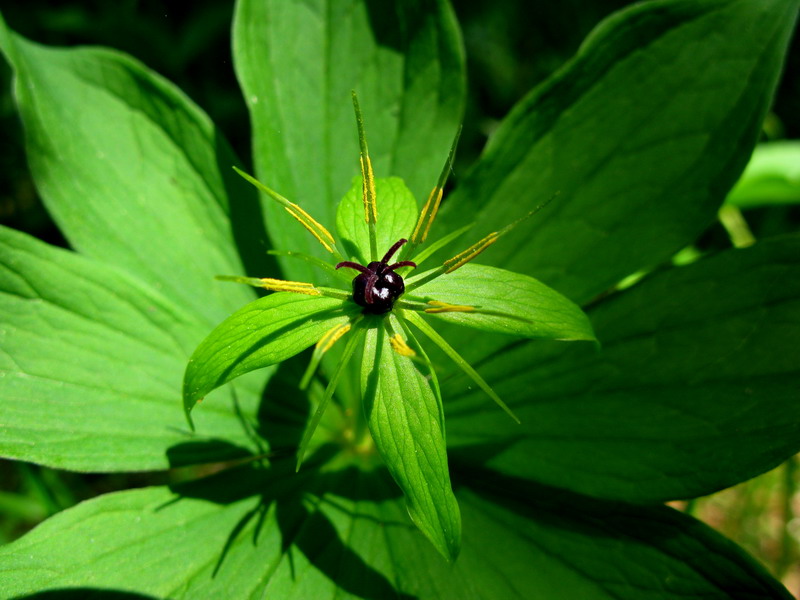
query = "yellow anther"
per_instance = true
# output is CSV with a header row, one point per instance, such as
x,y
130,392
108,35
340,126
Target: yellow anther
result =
x,y
459,260
298,287
399,345
442,307
333,335
428,214
314,228
368,190
439,192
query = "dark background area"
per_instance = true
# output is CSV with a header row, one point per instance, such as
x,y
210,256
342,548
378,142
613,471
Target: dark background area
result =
x,y
511,46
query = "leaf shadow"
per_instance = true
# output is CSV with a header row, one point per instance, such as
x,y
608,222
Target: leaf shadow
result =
x,y
291,502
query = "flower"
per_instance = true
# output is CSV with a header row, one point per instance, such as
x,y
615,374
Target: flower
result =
x,y
381,306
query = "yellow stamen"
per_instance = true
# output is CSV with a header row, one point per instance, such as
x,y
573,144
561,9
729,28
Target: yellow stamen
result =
x,y
325,233
459,260
422,215
306,220
311,225
442,307
298,287
439,192
399,345
368,190
333,335
428,214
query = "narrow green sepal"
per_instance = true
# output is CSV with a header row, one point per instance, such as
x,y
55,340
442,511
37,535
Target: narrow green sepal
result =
x,y
433,335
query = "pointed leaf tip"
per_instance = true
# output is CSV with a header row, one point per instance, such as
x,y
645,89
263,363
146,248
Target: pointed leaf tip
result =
x,y
405,419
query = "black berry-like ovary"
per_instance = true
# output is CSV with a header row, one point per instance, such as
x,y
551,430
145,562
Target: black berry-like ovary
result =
x,y
377,286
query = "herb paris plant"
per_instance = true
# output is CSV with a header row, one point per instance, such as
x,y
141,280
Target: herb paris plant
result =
x,y
642,132
393,387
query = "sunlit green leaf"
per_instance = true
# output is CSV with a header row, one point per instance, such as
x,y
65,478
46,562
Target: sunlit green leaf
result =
x,y
134,174
638,135
405,419
695,388
90,365
772,176
262,333
397,213
505,302
404,59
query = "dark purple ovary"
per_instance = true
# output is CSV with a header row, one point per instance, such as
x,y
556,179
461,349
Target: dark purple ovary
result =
x,y
377,286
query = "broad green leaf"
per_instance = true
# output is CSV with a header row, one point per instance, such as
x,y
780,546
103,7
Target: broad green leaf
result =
x,y
695,388
637,135
90,366
772,176
298,63
406,422
505,302
134,174
262,333
397,214
249,533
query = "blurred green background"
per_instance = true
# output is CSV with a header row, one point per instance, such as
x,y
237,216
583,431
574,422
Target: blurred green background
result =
x,y
511,46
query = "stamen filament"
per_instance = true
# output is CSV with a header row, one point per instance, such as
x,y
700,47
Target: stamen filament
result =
x,y
312,260
462,258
